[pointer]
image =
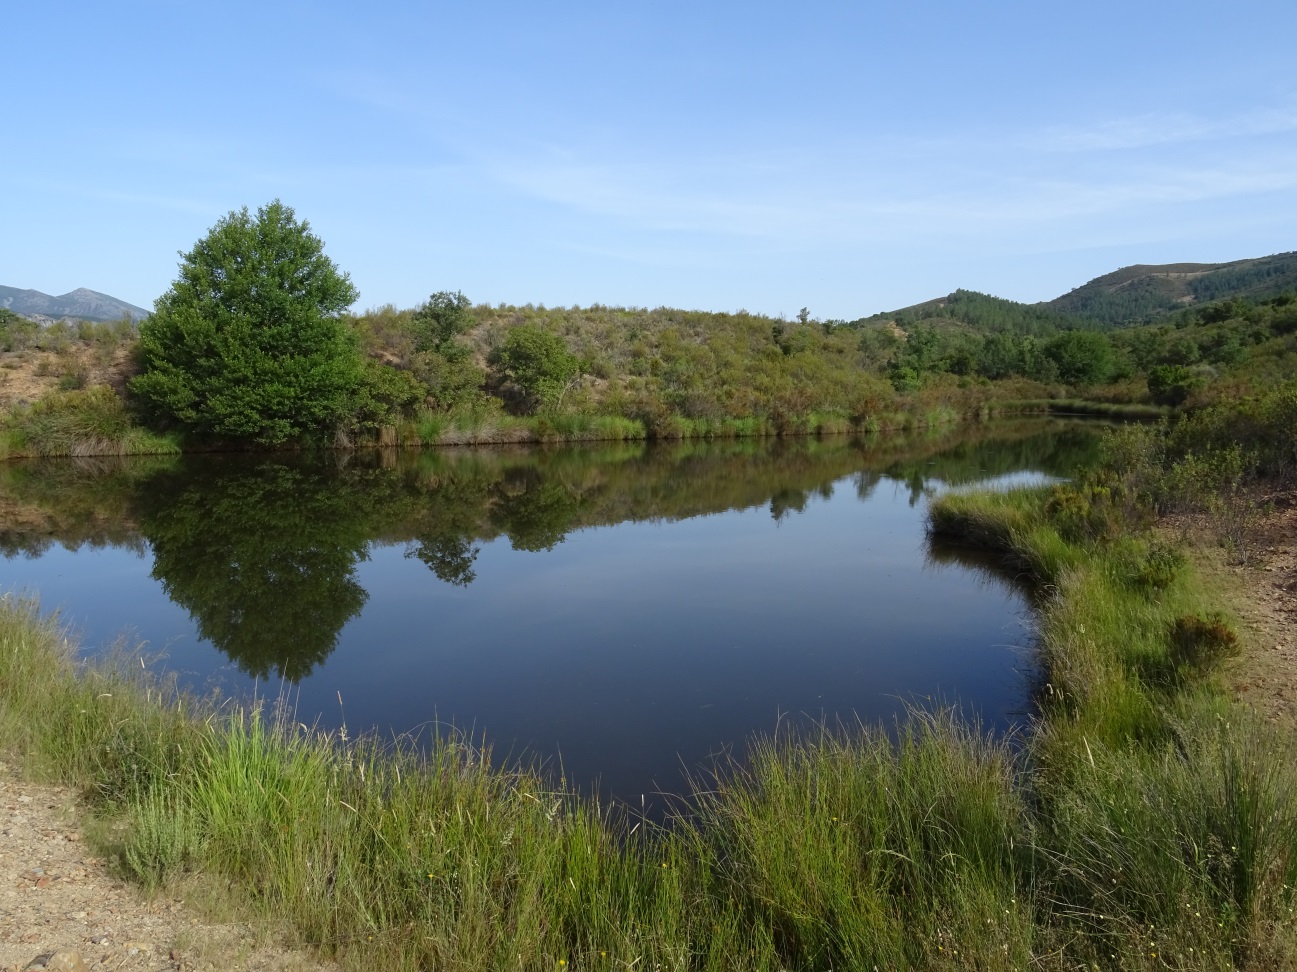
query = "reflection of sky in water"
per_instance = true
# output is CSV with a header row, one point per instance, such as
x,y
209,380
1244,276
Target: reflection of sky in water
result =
x,y
625,651
1005,481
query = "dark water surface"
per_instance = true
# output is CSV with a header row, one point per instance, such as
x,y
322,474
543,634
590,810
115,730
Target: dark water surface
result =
x,y
620,610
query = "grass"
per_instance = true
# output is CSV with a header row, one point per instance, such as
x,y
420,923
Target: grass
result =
x,y
1161,802
430,428
93,422
97,422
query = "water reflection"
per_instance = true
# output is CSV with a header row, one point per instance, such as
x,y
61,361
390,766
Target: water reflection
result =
x,y
262,557
622,610
262,552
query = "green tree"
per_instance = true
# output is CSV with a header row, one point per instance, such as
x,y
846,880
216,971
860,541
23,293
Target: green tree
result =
x,y
440,319
1172,384
538,363
1082,357
247,343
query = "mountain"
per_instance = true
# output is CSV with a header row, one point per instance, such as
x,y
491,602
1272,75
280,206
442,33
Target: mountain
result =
x,y
80,304
1131,295
969,310
1138,294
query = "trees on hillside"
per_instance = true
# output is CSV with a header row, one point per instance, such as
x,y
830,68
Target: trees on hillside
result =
x,y
436,323
247,343
1081,357
538,363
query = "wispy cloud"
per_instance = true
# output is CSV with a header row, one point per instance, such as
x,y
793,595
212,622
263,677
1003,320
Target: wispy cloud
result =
x,y
1162,129
186,204
860,198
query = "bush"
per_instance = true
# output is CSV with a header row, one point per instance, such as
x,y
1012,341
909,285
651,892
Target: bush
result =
x,y
1173,384
538,363
80,423
1202,641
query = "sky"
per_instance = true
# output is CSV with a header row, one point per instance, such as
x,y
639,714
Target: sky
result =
x,y
845,157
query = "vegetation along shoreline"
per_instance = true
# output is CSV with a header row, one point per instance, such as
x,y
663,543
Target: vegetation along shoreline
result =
x,y
254,347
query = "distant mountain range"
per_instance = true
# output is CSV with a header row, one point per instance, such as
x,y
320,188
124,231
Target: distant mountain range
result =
x,y
1132,295
80,304
1138,294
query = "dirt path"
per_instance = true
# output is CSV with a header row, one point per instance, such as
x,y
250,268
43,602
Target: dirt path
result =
x,y
55,893
1265,595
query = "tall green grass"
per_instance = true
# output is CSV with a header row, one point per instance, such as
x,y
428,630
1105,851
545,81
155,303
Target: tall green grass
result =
x,y
92,422
1167,816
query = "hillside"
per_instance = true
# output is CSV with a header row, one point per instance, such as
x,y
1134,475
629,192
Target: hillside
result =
x,y
1137,294
982,313
1142,293
80,304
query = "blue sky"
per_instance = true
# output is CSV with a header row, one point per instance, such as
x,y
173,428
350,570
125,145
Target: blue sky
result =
x,y
849,158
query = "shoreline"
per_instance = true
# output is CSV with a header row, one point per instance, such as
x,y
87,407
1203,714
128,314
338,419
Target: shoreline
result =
x,y
447,431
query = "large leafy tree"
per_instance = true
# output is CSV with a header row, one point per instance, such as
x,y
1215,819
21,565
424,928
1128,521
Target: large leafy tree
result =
x,y
247,343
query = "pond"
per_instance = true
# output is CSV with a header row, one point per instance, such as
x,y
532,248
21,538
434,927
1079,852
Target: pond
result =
x,y
623,612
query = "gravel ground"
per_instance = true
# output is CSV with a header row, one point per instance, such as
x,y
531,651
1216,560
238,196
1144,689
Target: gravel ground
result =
x,y
55,894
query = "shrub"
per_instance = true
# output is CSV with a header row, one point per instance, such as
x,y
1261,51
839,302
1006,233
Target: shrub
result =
x,y
538,363
1172,384
1202,641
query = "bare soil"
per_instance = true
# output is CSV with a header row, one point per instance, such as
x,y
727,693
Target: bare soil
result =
x,y
1264,593
31,374
55,892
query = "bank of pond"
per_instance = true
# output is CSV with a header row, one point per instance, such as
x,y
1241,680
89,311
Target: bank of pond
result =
x,y
1112,809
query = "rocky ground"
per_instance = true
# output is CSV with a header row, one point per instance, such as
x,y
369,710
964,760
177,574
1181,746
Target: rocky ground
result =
x,y
55,894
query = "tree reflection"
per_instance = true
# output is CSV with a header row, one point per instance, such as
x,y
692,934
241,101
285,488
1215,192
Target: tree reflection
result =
x,y
449,556
263,552
263,559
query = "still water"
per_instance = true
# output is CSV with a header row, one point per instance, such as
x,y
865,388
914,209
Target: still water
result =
x,y
623,612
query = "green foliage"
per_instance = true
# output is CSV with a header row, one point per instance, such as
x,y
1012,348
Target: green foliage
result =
x,y
16,333
1081,357
440,319
454,383
385,395
538,363
247,343
1172,384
